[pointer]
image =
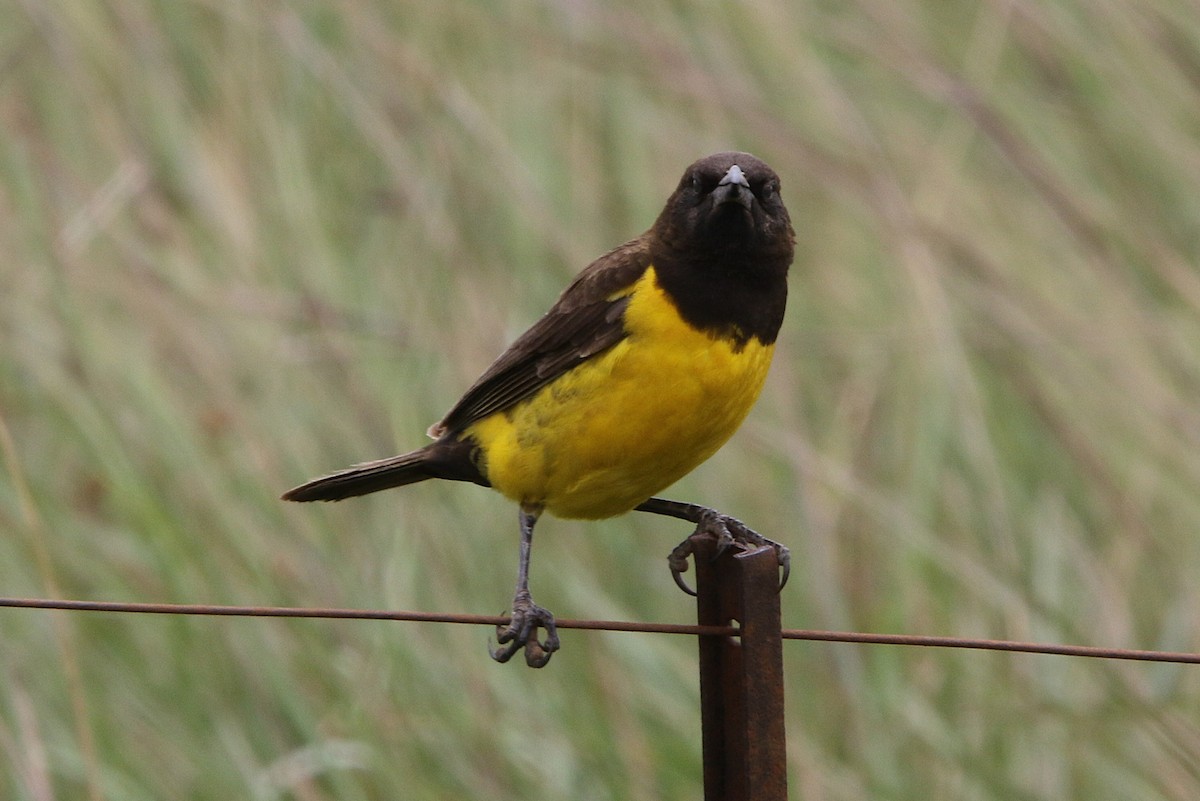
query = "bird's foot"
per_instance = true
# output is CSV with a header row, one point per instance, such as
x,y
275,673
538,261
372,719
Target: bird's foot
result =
x,y
522,630
728,531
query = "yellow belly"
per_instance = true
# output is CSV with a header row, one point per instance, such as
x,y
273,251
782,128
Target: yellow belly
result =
x,y
624,425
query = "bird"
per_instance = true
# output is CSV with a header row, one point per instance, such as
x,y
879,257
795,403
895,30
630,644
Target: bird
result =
x,y
646,364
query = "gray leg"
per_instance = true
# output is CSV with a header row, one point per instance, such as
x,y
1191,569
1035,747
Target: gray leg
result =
x,y
728,531
527,617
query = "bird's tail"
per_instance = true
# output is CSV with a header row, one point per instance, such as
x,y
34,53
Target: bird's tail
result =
x,y
361,479
447,458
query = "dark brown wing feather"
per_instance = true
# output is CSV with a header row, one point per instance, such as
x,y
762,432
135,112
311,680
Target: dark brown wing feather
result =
x,y
585,321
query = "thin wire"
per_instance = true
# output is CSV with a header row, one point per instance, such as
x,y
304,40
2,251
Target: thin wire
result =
x,y
356,614
993,645
604,625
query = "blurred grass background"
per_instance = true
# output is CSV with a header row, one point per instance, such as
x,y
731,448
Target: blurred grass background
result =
x,y
242,243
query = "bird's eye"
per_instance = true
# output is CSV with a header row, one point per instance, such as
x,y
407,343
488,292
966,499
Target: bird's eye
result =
x,y
770,189
697,182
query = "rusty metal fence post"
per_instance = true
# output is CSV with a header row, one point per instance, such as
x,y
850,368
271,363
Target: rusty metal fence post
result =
x,y
741,678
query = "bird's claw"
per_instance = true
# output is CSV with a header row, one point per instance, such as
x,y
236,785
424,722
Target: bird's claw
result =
x,y
728,531
522,630
678,562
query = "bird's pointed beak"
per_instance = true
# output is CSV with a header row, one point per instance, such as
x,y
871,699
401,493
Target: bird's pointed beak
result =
x,y
735,176
733,188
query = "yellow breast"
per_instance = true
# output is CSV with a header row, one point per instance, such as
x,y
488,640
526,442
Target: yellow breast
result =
x,y
622,426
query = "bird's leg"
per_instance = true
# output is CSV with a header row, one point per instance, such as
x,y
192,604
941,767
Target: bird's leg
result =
x,y
527,617
727,530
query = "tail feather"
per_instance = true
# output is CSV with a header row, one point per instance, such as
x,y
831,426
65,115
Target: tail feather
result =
x,y
361,479
448,458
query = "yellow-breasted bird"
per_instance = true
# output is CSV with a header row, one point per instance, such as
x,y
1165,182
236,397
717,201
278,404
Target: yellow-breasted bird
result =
x,y
643,368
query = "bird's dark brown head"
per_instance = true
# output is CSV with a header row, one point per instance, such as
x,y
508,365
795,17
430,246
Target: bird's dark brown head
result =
x,y
728,205
723,244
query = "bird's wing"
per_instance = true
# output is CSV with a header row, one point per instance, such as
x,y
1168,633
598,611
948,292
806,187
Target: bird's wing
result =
x,y
587,319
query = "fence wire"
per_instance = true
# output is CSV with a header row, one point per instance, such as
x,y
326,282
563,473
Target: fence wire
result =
x,y
604,625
